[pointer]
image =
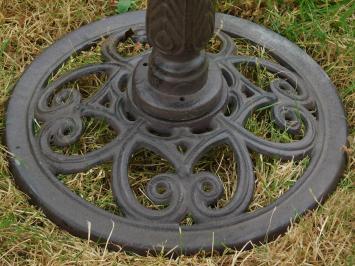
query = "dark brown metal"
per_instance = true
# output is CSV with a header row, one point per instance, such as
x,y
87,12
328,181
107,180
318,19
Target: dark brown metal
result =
x,y
175,97
177,65
177,82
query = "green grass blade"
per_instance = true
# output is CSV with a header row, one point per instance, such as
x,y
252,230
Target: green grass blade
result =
x,y
124,5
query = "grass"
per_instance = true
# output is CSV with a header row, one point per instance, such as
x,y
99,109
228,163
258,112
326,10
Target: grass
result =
x,y
324,28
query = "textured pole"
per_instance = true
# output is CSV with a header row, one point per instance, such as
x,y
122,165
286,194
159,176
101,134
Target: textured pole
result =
x,y
179,30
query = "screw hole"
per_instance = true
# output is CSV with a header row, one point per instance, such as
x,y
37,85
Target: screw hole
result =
x,y
145,64
182,99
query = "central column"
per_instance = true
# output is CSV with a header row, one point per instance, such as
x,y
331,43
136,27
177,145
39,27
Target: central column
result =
x,y
179,30
177,82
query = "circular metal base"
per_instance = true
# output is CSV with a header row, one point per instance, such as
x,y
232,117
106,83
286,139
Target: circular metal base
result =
x,y
299,87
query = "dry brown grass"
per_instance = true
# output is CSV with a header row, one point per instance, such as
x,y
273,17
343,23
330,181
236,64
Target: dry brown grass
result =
x,y
322,237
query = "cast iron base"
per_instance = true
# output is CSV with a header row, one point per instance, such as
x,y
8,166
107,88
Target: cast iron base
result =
x,y
300,88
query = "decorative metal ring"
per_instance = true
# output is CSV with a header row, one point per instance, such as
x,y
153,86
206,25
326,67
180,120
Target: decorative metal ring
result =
x,y
300,86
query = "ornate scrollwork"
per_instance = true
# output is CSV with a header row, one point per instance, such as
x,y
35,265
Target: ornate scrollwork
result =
x,y
47,121
184,192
